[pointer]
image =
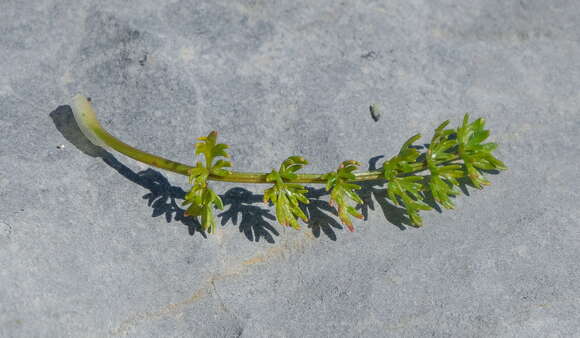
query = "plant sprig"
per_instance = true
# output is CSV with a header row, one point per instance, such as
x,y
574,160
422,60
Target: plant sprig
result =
x,y
452,155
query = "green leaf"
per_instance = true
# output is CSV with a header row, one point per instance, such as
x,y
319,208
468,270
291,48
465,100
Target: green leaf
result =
x,y
341,191
290,166
404,188
210,149
476,155
406,191
443,177
218,168
285,196
201,199
404,161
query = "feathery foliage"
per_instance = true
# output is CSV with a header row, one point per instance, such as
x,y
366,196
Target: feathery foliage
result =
x,y
403,188
443,176
287,196
452,156
337,182
476,155
201,199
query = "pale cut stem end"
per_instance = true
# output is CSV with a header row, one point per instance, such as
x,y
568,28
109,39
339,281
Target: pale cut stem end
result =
x,y
86,119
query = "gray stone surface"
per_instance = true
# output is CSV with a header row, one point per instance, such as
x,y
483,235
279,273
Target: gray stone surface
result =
x,y
93,245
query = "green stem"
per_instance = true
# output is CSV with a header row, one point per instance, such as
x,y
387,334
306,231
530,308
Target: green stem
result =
x,y
92,129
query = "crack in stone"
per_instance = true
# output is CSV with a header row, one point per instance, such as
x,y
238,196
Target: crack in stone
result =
x,y
209,286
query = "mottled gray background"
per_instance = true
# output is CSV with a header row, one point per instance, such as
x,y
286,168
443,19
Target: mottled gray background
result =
x,y
94,245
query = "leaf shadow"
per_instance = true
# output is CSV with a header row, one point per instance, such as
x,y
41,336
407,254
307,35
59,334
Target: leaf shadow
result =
x,y
321,216
253,219
372,191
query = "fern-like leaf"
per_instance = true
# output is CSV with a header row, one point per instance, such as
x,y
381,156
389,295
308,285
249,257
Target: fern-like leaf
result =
x,y
443,176
337,182
404,188
287,196
201,199
476,155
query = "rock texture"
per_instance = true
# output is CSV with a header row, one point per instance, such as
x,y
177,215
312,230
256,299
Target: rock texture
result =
x,y
94,244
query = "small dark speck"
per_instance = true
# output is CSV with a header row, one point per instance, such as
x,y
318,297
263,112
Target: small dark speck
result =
x,y
89,99
370,55
375,113
143,60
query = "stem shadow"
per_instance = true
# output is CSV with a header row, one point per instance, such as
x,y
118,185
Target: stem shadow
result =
x,y
163,197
